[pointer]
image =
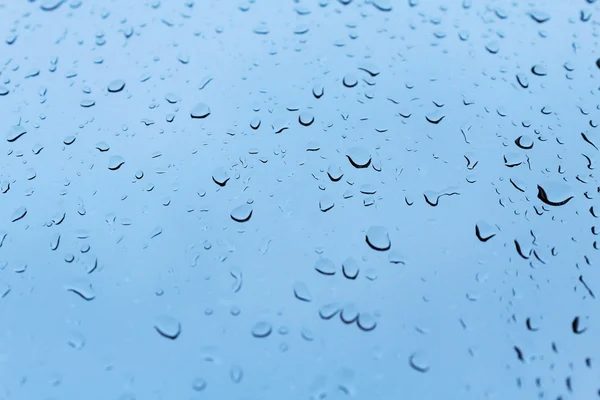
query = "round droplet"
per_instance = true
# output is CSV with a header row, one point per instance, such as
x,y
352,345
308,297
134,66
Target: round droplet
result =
x,y
201,110
199,384
115,162
306,119
102,146
377,237
262,329
366,322
350,81
349,313
325,266
167,327
69,140
358,157
539,70
116,86
220,176
236,374
419,362
241,213
3,90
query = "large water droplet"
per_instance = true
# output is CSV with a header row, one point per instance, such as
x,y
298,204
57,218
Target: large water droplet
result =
x,y
242,213
377,237
167,327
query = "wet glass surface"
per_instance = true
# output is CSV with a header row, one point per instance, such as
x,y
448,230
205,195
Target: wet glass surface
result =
x,y
315,199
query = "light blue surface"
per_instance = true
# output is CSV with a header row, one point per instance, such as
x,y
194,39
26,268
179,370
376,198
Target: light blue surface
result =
x,y
299,200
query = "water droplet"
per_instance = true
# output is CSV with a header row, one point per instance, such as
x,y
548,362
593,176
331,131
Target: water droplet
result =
x,y
301,292
419,362
51,5
115,162
382,5
220,176
14,133
539,16
306,119
201,110
242,213
262,329
167,327
236,374
366,322
349,313
350,268
18,214
554,193
378,239
329,311
350,81
359,157
325,266
116,86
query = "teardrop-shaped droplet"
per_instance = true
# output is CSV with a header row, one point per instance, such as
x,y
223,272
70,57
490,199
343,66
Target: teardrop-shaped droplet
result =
x,y
18,214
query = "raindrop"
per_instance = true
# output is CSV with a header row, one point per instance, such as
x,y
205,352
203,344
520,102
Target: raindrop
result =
x,y
115,162
14,133
167,327
306,119
301,292
329,311
350,81
419,362
378,239
116,86
350,268
201,110
262,329
18,214
349,313
359,157
366,322
241,213
325,266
